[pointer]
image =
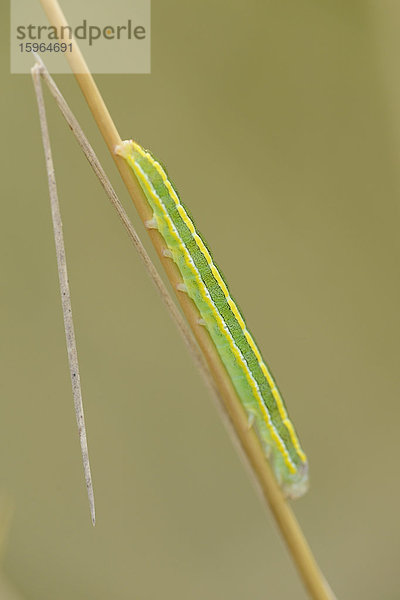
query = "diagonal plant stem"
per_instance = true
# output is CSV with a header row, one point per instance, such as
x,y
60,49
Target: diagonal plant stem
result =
x,y
289,527
64,290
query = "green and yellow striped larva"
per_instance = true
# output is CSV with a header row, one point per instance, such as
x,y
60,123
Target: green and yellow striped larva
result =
x,y
242,359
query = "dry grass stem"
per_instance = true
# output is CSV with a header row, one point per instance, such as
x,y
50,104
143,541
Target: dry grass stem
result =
x,y
64,290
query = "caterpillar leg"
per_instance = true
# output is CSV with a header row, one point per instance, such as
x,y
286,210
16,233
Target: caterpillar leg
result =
x,y
151,223
250,420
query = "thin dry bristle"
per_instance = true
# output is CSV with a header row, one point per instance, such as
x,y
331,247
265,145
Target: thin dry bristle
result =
x,y
64,290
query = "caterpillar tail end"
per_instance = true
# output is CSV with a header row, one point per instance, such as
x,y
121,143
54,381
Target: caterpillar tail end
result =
x,y
296,487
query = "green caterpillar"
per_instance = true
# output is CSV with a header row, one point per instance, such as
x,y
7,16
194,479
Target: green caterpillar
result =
x,y
250,375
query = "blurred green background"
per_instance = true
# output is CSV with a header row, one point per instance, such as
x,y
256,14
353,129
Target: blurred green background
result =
x,y
279,123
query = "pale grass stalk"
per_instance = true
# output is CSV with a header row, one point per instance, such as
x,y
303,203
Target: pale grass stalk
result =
x,y
64,291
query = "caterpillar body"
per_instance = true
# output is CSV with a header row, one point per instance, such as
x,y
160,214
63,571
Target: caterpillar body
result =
x,y
237,349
